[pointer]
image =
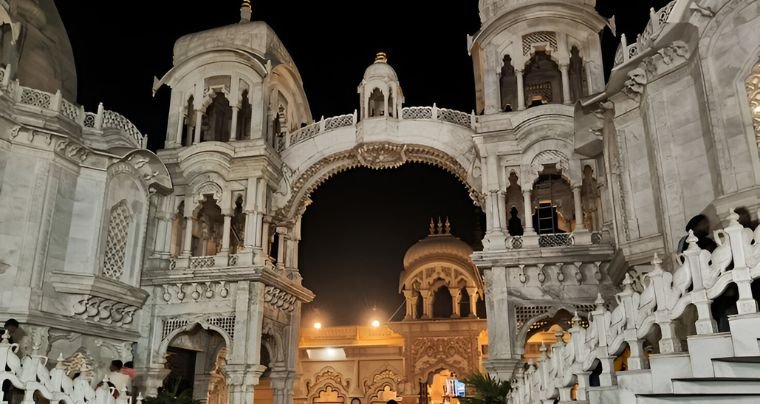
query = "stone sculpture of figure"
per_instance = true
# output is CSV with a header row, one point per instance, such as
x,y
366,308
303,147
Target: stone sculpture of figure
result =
x,y
514,226
576,74
508,85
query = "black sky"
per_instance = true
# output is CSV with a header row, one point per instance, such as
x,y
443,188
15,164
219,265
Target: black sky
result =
x,y
355,233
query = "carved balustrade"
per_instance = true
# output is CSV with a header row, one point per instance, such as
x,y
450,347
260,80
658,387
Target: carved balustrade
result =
x,y
99,122
657,21
30,375
654,298
408,113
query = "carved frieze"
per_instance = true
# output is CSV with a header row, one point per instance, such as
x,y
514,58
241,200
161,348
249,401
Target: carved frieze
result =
x,y
106,311
429,353
195,291
279,299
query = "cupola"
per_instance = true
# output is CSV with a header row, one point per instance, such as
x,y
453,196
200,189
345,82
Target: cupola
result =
x,y
380,93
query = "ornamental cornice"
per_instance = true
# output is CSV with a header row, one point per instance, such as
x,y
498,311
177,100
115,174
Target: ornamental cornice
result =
x,y
104,310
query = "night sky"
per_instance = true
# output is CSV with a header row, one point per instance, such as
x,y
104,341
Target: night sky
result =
x,y
361,222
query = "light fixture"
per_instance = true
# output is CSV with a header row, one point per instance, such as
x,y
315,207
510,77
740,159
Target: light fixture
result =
x,y
375,323
318,325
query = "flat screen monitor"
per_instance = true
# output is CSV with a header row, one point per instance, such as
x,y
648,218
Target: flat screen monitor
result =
x,y
459,388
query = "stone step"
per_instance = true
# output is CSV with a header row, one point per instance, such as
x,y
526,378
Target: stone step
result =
x,y
738,366
733,398
716,385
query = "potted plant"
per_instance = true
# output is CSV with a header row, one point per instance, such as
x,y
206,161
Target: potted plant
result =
x,y
483,389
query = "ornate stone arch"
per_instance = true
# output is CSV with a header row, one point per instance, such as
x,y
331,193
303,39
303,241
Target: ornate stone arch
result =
x,y
382,377
328,379
190,324
522,333
371,155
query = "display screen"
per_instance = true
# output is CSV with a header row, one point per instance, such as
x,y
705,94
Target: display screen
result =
x,y
458,388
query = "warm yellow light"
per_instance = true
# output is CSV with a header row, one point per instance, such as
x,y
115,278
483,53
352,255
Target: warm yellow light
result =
x,y
756,109
375,323
317,325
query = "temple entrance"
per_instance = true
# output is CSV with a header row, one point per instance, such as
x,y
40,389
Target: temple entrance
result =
x,y
196,360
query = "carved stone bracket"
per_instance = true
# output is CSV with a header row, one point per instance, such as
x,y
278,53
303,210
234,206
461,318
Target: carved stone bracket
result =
x,y
72,150
634,86
105,311
666,58
279,299
196,291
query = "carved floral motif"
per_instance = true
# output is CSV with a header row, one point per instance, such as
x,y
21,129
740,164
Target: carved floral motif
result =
x,y
104,310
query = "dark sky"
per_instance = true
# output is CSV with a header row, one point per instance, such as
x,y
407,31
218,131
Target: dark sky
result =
x,y
362,221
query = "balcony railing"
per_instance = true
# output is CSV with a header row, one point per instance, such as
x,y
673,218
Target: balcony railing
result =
x,y
409,113
55,103
657,21
555,240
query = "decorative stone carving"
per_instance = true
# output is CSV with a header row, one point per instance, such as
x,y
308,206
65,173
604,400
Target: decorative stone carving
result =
x,y
326,378
102,310
550,157
634,86
279,299
36,341
752,85
72,150
122,350
430,353
379,154
197,290
209,188
78,361
666,58
226,323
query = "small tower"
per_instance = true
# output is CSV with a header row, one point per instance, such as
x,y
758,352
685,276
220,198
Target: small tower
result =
x,y
380,93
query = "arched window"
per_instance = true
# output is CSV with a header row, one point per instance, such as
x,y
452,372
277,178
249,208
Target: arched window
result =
x,y
117,241
207,236
442,303
543,80
508,85
244,117
376,103
553,203
218,119
753,93
578,83
237,228
188,127
178,230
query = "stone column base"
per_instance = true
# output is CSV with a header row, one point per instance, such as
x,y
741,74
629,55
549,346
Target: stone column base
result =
x,y
502,369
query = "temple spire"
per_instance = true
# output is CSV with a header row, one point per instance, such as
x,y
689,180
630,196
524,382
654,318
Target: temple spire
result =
x,y
245,11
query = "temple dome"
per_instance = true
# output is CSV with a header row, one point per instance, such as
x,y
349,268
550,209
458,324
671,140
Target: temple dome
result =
x,y
438,244
380,69
45,60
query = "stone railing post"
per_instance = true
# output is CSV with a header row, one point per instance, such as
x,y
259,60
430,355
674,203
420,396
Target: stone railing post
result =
x,y
99,117
742,277
705,323
322,124
669,343
435,112
56,101
624,47
355,118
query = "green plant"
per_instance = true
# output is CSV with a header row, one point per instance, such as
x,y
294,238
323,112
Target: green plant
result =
x,y
483,389
170,394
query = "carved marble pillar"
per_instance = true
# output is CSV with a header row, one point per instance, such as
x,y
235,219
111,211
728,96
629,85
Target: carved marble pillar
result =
x,y
528,209
565,84
187,245
198,124
411,297
427,303
520,89
282,235
181,116
472,293
579,226
233,124
456,300
226,232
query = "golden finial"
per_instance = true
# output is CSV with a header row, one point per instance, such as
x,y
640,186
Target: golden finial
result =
x,y
448,226
440,226
381,57
431,227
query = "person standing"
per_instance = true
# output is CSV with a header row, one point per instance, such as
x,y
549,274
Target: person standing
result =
x,y
120,380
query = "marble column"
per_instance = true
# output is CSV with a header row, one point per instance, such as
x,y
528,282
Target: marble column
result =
x,y
226,232
181,118
427,303
520,89
281,238
411,296
579,226
188,242
456,299
472,293
565,84
198,124
233,124
528,212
